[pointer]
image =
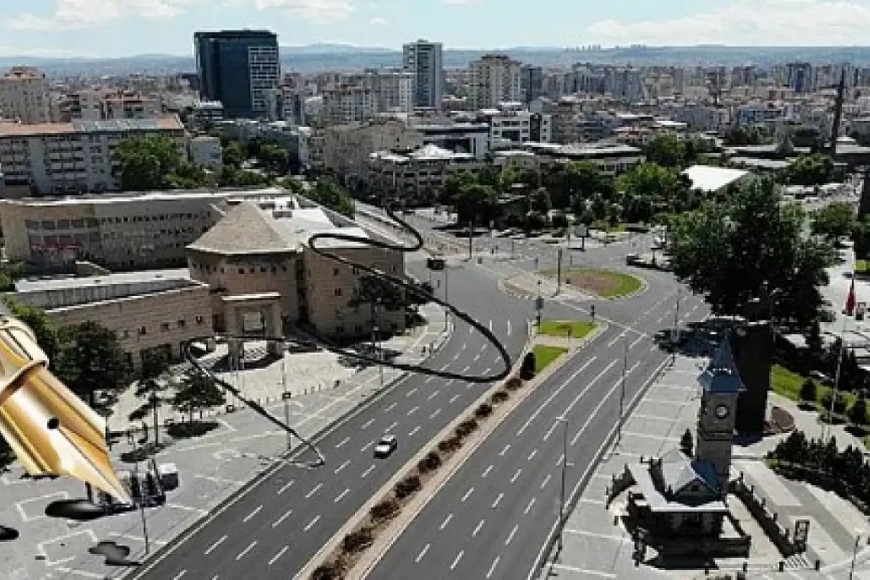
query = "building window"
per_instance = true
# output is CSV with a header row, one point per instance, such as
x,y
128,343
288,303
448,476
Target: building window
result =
x,y
253,270
335,271
339,329
143,331
338,291
241,270
164,326
182,323
355,271
199,320
125,334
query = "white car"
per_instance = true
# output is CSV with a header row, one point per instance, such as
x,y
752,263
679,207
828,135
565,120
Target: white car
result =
x,y
386,446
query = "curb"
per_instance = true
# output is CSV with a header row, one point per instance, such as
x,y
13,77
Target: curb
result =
x,y
268,471
398,526
332,544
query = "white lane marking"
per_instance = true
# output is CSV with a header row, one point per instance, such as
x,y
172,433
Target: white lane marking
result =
x,y
342,466
422,553
505,450
532,454
512,534
434,414
341,495
486,472
509,327
446,521
433,395
465,370
550,431
311,493
600,404
453,398
252,514
487,369
411,392
414,431
429,380
639,338
286,486
556,393
529,507
477,358
477,529
619,337
467,494
490,325
367,471
278,555
365,447
516,476
246,550
180,574
341,443
390,408
456,561
392,426
215,545
412,411
312,523
368,423
494,562
546,481
497,500
286,515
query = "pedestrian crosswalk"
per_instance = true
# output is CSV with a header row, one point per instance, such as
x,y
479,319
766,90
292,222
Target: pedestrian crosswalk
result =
x,y
797,562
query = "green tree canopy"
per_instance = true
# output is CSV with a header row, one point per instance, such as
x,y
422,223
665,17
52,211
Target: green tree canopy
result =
x,y
234,153
91,362
834,221
576,181
666,150
814,169
328,193
274,158
376,290
733,251
476,202
46,332
195,392
146,161
231,176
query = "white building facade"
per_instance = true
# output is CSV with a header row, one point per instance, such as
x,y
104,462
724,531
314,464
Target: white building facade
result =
x,y
24,96
495,79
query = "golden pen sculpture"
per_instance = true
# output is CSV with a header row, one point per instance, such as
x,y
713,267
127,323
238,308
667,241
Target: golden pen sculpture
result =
x,y
51,431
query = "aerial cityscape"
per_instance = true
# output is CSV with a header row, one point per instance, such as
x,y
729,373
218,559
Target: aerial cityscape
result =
x,y
335,289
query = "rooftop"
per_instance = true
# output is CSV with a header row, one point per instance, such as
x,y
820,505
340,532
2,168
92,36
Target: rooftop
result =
x,y
711,179
145,196
164,123
70,282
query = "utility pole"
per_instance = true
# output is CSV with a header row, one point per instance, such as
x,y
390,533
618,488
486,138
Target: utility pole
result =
x,y
675,337
559,271
836,393
622,391
562,487
446,295
284,394
470,239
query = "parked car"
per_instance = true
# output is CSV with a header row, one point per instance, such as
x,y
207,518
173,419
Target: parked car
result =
x,y
386,446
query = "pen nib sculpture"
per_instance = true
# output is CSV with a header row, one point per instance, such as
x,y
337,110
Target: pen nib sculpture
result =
x,y
51,431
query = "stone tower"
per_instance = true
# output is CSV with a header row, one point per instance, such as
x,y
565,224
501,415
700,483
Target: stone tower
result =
x,y
721,386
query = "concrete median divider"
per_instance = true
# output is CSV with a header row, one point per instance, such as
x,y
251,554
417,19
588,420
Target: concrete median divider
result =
x,y
471,428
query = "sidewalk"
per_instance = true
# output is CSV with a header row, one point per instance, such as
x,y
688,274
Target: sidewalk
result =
x,y
595,547
307,373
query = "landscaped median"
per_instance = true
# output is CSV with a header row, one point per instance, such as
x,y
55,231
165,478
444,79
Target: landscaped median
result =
x,y
608,284
371,532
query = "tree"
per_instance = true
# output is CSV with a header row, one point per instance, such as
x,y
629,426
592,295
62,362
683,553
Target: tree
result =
x,y
858,412
90,361
147,161
373,290
576,181
274,158
665,188
330,194
190,176
687,443
196,392
231,176
834,221
453,186
540,201
861,238
808,391
477,203
737,250
46,332
666,150
814,169
150,384
234,154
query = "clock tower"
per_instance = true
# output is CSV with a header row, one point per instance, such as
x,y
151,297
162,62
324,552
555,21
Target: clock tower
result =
x,y
721,386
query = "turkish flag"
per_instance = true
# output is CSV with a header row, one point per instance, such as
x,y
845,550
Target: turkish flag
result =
x,y
850,301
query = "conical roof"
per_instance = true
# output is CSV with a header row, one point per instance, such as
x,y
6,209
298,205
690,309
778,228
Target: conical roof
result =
x,y
721,375
245,229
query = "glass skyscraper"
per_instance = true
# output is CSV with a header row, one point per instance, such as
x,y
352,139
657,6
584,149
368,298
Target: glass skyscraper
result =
x,y
237,67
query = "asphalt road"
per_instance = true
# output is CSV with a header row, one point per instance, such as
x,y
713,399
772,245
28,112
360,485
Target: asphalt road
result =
x,y
493,517
275,528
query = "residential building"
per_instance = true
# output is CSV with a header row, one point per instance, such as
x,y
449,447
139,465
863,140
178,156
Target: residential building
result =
x,y
237,68
495,79
206,151
261,247
459,137
24,96
207,113
86,105
346,148
425,61
349,104
130,105
286,103
511,124
131,231
417,175
146,310
531,82
611,159
394,90
75,157
800,77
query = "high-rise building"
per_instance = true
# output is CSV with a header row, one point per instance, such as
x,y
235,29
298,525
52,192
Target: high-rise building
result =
x,y
24,96
237,68
531,82
425,60
495,79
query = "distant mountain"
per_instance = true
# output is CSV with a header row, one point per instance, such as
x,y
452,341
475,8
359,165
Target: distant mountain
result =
x,y
332,49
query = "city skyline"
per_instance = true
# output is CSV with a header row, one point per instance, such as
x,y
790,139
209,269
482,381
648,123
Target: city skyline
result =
x,y
58,28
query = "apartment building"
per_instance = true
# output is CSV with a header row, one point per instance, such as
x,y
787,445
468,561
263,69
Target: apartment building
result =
x,y
130,105
393,89
75,157
511,124
417,175
349,104
611,159
86,105
133,231
286,103
346,148
24,96
459,137
425,61
261,246
495,79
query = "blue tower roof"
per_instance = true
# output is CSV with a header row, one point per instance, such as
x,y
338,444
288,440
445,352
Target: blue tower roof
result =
x,y
721,375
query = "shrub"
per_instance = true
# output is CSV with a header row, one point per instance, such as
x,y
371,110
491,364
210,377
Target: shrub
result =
x,y
483,410
466,428
858,413
450,445
331,571
384,510
408,486
527,370
809,392
431,462
514,383
358,541
687,443
499,397
839,404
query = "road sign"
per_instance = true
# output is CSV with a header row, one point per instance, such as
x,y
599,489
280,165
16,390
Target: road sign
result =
x,y
801,531
582,231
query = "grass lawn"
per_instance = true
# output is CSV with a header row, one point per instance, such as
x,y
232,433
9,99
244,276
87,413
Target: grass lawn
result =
x,y
544,355
560,328
604,283
788,384
862,266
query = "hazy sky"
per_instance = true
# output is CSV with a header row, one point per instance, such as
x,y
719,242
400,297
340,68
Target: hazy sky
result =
x,y
125,27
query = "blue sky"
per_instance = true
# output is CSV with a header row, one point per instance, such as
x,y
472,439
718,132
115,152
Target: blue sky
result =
x,y
125,27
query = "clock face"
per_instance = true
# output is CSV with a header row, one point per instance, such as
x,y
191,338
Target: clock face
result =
x,y
722,411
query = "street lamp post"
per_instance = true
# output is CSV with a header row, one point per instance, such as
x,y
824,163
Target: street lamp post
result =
x,y
446,295
675,337
855,553
284,394
622,391
562,486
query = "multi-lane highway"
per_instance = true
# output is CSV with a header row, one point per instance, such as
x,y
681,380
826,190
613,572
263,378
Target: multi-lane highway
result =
x,y
273,529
